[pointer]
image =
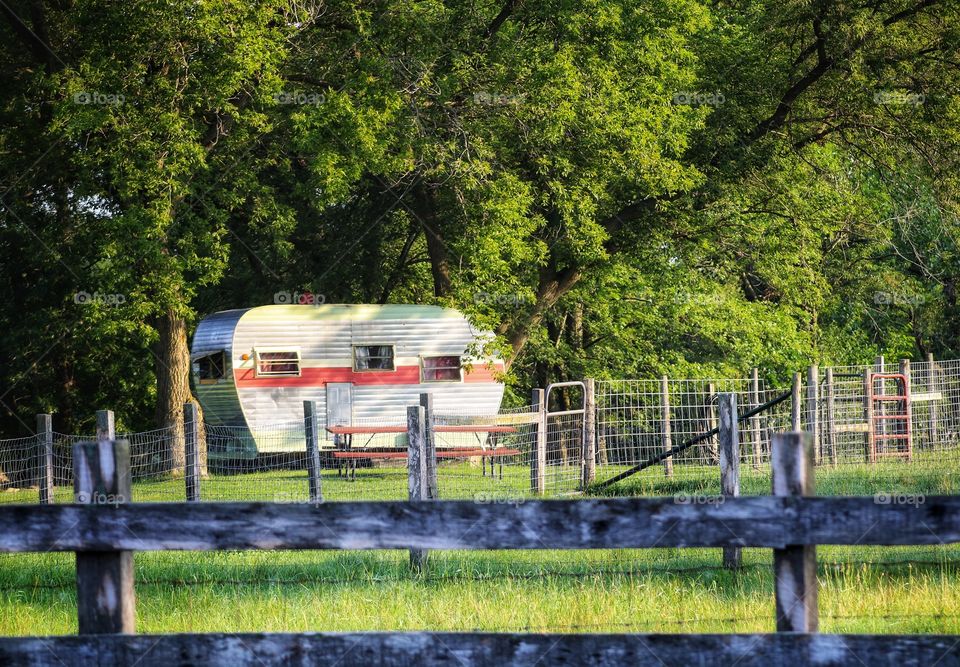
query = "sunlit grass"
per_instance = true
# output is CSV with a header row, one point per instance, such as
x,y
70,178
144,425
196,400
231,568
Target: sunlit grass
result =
x,y
912,590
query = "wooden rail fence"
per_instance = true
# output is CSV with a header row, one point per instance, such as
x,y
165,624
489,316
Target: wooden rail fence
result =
x,y
104,529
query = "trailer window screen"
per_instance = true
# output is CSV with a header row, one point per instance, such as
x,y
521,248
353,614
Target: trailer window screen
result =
x,y
373,358
211,367
278,363
441,369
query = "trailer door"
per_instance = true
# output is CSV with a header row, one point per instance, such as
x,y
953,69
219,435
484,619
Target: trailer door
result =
x,y
339,404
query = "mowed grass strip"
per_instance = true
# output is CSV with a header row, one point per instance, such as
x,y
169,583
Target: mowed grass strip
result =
x,y
862,589
912,590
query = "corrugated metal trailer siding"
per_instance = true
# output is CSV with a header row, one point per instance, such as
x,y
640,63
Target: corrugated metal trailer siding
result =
x,y
220,401
325,336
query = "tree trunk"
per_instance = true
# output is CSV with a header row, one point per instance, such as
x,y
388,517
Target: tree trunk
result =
x,y
172,358
426,206
553,285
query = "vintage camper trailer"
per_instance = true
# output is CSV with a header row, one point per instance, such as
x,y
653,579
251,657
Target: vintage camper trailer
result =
x,y
252,369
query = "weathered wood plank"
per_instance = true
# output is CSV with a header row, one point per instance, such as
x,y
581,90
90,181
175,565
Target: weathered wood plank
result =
x,y
756,521
830,428
430,447
922,397
311,432
665,429
105,594
499,649
729,464
795,567
933,415
907,407
755,420
869,442
45,458
191,447
813,409
795,407
713,448
538,453
589,433
416,471
106,429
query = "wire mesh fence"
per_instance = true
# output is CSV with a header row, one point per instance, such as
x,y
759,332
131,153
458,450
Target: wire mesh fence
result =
x,y
640,419
873,433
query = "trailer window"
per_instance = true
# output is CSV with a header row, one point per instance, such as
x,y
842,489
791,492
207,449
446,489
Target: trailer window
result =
x,y
210,368
270,364
373,358
440,369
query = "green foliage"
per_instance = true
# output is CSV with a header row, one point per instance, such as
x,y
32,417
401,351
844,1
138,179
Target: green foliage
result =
x,y
615,189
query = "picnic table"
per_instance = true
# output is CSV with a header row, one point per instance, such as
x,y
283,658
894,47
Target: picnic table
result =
x,y
350,455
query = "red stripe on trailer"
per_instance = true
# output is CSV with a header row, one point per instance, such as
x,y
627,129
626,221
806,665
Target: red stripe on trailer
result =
x,y
313,377
482,373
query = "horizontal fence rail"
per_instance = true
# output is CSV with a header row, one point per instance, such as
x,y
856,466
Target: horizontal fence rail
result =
x,y
616,523
357,649
104,530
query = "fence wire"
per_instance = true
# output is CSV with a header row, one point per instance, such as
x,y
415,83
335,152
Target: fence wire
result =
x,y
864,445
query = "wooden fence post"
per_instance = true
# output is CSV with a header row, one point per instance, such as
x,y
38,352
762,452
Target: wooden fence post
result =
x,y
934,411
908,406
589,433
665,425
538,453
712,446
311,432
870,445
795,403
105,595
45,458
729,464
106,430
433,487
831,430
191,446
794,567
755,420
416,472
813,408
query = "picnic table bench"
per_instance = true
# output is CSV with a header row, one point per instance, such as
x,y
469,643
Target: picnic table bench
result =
x,y
346,452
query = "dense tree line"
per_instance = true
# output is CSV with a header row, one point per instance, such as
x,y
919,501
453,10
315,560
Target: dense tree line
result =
x,y
617,188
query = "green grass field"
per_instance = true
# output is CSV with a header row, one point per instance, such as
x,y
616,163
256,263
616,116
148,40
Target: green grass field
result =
x,y
862,589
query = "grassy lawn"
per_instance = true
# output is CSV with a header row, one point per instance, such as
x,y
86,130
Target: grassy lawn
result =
x,y
862,589
664,590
